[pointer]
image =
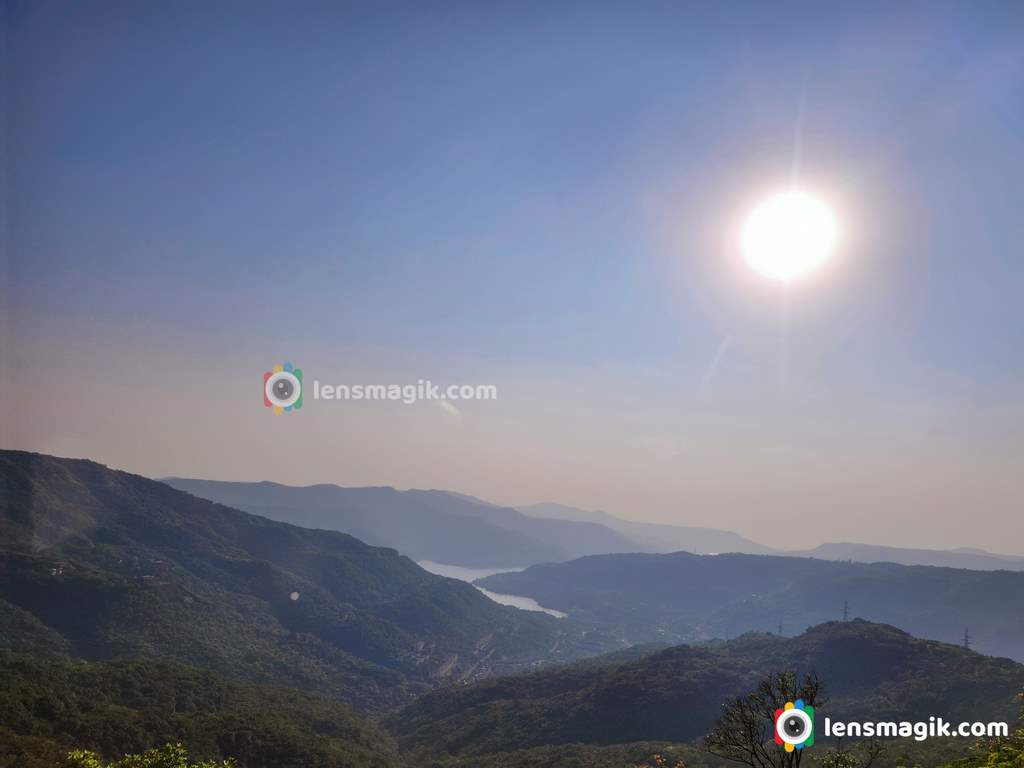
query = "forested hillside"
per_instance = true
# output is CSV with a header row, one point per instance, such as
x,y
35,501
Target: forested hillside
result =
x,y
48,707
871,672
100,564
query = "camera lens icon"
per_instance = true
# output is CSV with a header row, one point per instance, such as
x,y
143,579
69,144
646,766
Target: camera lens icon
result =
x,y
282,388
794,726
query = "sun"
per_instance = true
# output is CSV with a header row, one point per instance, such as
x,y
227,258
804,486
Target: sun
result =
x,y
789,235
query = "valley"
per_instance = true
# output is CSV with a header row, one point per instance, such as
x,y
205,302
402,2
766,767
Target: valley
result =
x,y
131,611
682,597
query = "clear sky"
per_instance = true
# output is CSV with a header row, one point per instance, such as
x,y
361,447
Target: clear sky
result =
x,y
545,197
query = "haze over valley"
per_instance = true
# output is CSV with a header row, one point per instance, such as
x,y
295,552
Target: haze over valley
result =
x,y
451,528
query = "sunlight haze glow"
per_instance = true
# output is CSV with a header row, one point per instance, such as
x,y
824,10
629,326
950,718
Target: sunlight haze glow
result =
x,y
709,254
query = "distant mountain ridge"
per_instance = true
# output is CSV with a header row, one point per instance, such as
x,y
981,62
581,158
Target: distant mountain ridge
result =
x,y
680,597
654,537
663,538
458,529
973,559
425,525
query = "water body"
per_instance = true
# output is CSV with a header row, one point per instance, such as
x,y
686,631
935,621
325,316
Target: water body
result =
x,y
469,574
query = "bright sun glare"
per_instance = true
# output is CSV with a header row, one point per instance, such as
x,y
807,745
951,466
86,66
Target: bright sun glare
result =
x,y
788,235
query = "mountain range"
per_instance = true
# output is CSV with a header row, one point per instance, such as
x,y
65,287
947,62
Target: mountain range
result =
x,y
457,529
661,539
132,613
652,537
974,559
105,565
438,526
681,597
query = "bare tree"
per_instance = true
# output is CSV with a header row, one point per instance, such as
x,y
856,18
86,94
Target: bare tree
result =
x,y
745,731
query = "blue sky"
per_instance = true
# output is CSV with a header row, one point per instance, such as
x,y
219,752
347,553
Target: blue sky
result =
x,y
539,195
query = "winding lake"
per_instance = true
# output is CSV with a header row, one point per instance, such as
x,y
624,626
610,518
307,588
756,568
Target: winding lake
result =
x,y
469,574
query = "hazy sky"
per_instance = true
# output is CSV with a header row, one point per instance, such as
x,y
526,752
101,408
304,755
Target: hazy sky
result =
x,y
544,197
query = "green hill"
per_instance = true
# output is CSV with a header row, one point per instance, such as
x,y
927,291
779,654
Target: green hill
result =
x,y
871,672
99,564
48,707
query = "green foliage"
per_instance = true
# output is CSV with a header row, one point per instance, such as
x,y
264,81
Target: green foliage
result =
x,y
168,756
874,672
863,755
835,759
49,707
636,755
997,753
